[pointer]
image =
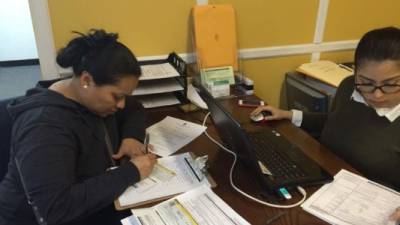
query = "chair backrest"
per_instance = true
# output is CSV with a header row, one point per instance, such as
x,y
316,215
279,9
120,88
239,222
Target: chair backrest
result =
x,y
5,136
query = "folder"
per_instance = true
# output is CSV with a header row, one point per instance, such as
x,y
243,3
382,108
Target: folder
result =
x,y
215,36
326,71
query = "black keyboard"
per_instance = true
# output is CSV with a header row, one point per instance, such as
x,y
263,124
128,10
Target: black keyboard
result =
x,y
279,165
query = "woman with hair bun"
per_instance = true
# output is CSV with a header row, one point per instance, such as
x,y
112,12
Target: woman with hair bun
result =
x,y
69,135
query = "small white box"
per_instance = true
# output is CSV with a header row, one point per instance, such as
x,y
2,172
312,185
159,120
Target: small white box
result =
x,y
218,90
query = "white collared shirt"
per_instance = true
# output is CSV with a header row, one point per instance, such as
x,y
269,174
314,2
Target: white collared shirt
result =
x,y
390,113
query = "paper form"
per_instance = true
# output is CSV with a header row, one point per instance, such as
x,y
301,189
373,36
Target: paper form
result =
x,y
143,216
161,173
158,100
157,71
218,74
171,134
183,180
158,86
352,199
200,206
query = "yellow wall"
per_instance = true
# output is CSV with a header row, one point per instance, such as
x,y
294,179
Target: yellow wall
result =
x,y
153,27
158,27
350,19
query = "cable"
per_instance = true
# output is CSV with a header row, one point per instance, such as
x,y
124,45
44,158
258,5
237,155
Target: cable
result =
x,y
300,189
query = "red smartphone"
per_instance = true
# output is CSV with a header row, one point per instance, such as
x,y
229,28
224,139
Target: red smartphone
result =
x,y
250,103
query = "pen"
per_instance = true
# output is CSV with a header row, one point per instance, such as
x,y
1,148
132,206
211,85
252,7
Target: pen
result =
x,y
275,217
191,168
146,143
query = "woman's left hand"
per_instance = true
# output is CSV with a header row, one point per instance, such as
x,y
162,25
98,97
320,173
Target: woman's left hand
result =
x,y
130,147
396,215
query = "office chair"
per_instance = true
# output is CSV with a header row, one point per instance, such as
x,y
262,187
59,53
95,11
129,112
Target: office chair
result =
x,y
5,136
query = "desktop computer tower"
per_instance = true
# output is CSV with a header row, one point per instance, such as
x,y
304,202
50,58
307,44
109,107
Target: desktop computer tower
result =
x,y
308,94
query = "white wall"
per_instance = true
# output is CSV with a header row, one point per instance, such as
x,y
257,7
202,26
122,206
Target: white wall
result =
x,y
17,41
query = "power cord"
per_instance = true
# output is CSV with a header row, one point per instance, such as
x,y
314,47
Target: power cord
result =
x,y
300,189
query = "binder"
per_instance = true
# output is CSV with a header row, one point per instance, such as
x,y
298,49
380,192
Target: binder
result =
x,y
215,36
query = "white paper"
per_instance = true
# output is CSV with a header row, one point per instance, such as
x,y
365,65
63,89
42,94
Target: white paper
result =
x,y
161,174
171,134
142,217
352,199
199,206
158,86
158,100
195,98
158,71
184,180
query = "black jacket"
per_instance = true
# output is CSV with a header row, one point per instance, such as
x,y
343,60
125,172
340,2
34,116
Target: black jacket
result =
x,y
61,149
357,134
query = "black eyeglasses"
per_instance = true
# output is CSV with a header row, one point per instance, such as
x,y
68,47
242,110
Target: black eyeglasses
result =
x,y
370,88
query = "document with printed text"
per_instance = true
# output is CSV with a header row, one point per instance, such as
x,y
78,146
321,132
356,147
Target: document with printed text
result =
x,y
353,200
171,134
200,206
158,71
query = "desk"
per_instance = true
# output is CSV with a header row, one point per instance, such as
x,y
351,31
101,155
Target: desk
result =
x,y
220,163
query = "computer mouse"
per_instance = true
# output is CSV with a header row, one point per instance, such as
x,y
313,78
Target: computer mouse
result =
x,y
261,116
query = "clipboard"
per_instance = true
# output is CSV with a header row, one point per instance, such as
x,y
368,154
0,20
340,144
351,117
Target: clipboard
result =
x,y
119,207
215,36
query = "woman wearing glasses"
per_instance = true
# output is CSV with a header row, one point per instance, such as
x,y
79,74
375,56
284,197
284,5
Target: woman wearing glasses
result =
x,y
363,125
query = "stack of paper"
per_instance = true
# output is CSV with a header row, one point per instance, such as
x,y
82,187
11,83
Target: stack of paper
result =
x,y
200,206
326,71
158,71
152,101
158,86
185,178
353,200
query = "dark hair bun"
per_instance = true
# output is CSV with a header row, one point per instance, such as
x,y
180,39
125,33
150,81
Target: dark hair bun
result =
x,y
78,48
101,55
99,38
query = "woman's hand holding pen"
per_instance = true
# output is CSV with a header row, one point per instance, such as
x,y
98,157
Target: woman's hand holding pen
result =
x,y
139,155
131,148
145,164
